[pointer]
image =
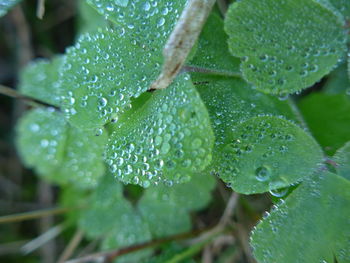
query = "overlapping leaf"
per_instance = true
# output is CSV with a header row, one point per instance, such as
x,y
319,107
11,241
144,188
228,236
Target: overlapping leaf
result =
x,y
40,80
285,46
328,117
6,5
338,81
238,153
311,226
166,209
149,21
343,6
58,151
212,52
166,140
102,72
342,160
263,154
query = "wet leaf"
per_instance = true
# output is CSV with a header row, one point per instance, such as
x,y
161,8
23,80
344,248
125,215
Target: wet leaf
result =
x,y
285,46
319,211
166,140
342,160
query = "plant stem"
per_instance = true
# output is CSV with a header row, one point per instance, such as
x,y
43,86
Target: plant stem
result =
x,y
30,101
109,256
73,244
33,215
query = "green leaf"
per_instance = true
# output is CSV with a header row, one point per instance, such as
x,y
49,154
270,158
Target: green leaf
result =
x,y
231,101
150,22
6,5
285,46
263,153
166,140
212,53
338,81
342,160
41,136
101,74
311,226
328,117
59,152
39,80
112,217
166,209
343,6
89,19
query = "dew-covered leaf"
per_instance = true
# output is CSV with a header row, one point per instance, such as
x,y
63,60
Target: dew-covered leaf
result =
x,y
338,81
166,209
149,21
343,6
285,46
41,136
6,5
39,80
89,19
58,151
101,74
342,160
167,139
328,117
267,153
231,101
311,226
212,52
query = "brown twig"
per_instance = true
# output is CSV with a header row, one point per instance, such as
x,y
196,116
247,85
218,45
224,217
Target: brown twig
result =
x,y
109,256
71,247
182,39
34,214
29,100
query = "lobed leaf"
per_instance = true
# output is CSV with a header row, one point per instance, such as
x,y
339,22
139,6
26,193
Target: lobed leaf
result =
x,y
166,209
328,117
212,52
166,140
39,80
342,160
263,153
150,22
101,74
285,46
58,151
311,226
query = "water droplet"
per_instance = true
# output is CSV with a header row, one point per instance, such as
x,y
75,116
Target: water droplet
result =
x,y
262,173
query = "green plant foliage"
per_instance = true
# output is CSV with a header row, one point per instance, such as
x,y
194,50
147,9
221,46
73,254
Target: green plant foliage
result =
x,y
311,226
343,6
41,137
89,20
212,53
285,46
6,5
58,151
40,80
166,140
263,153
342,160
147,21
338,81
328,117
166,208
101,74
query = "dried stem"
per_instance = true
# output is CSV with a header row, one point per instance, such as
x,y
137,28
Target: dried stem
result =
x,y
109,256
30,101
71,247
40,11
182,39
33,215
